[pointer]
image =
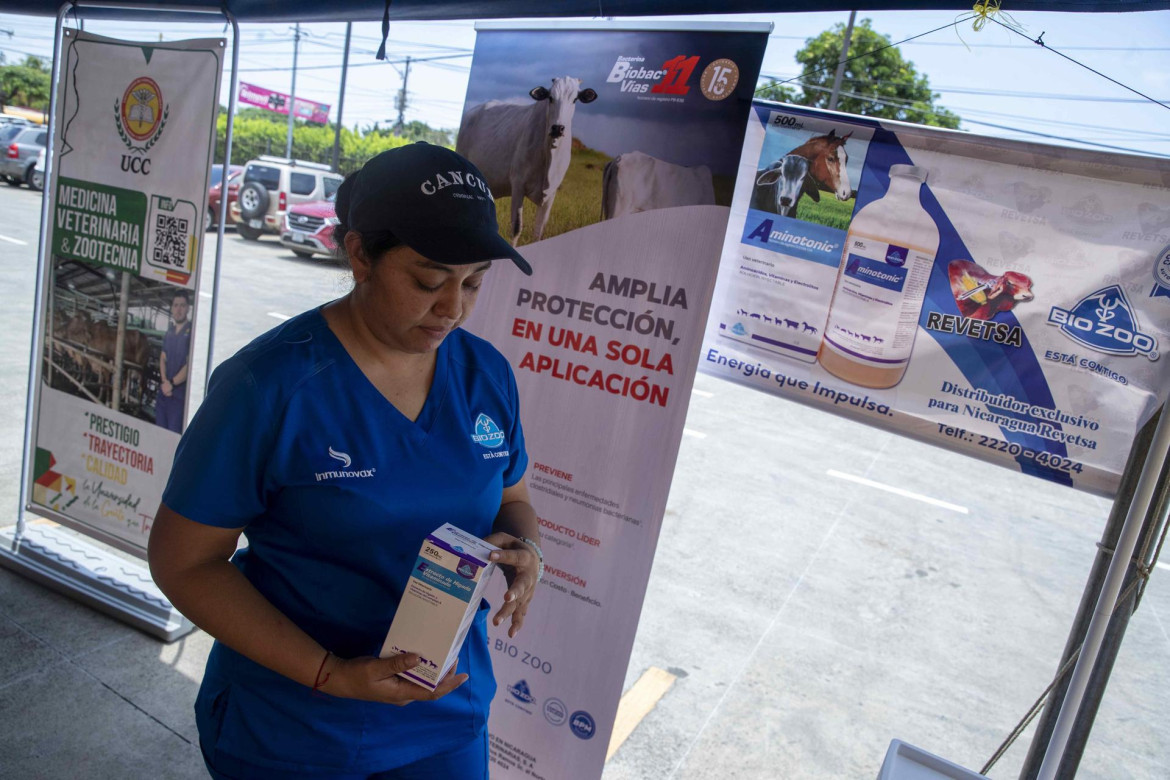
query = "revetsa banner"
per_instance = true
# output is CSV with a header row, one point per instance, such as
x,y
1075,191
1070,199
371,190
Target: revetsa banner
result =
x,y
612,155
132,155
1007,300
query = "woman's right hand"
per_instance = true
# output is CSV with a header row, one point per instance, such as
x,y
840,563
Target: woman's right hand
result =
x,y
376,679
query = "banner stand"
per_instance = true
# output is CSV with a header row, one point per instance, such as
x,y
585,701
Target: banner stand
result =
x,y
44,552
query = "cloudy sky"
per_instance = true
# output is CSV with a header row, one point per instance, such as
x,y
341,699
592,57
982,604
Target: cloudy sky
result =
x,y
998,82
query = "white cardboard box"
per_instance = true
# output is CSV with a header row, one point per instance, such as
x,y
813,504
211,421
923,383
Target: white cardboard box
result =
x,y
906,762
439,602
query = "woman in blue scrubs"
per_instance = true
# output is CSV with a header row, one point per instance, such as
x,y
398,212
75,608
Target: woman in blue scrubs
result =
x,y
335,443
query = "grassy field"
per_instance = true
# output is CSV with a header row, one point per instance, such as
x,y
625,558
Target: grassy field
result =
x,y
577,203
829,211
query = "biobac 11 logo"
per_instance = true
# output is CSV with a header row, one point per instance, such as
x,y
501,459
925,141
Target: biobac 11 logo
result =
x,y
672,78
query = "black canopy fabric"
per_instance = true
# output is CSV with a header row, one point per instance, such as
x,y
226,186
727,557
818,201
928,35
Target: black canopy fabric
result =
x,y
372,10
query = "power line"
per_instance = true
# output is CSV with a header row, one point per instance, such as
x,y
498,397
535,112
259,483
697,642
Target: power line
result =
x,y
1066,138
871,52
987,92
1040,42
994,45
413,60
908,104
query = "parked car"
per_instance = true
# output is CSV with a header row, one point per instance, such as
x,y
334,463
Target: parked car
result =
x,y
37,182
211,218
270,185
22,145
308,228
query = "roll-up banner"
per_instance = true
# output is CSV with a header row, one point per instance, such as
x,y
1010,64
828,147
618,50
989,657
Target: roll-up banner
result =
x,y
132,158
612,155
1006,300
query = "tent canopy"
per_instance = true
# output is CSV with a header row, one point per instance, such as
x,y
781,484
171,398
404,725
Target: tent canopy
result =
x,y
371,10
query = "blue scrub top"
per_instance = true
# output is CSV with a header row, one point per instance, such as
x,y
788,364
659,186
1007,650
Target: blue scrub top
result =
x,y
337,489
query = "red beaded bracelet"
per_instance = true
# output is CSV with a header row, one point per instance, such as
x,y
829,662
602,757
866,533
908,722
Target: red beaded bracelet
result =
x,y
320,681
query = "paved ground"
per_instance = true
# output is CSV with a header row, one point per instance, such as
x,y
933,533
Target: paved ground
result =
x,y
809,619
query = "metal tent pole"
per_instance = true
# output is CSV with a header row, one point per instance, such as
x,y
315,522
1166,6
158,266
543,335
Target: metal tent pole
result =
x,y
1126,544
341,99
1117,626
38,329
223,200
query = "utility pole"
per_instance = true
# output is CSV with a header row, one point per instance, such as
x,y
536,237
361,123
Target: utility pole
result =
x,y
841,62
402,100
292,98
341,99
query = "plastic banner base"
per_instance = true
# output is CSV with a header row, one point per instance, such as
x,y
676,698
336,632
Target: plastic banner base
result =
x,y
72,566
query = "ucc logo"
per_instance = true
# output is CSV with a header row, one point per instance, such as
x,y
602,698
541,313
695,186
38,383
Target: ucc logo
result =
x,y
140,117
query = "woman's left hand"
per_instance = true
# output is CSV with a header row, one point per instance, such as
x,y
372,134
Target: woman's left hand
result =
x,y
520,566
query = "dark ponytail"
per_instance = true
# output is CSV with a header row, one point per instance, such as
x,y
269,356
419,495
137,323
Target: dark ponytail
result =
x,y
374,243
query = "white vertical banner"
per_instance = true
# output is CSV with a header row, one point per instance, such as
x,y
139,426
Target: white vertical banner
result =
x,y
132,150
621,145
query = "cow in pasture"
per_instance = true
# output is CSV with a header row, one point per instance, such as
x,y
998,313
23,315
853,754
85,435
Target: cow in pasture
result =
x,y
523,150
827,161
779,186
635,181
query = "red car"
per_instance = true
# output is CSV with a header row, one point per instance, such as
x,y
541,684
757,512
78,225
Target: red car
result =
x,y
211,219
308,228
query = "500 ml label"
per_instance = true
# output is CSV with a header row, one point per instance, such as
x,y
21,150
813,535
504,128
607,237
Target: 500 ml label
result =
x,y
783,120
525,657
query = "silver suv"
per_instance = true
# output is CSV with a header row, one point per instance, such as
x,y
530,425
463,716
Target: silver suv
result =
x,y
270,185
19,147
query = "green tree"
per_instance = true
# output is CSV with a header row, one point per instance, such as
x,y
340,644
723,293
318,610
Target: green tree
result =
x,y
26,84
255,132
891,86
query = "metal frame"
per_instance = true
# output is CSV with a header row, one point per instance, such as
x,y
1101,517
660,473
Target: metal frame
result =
x,y
65,562
1143,498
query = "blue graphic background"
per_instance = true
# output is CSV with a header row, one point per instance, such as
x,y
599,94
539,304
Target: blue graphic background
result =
x,y
992,367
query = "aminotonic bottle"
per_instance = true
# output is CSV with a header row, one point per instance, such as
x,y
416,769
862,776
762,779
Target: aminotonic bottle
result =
x,y
888,256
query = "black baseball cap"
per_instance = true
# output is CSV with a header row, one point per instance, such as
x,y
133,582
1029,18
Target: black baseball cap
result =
x,y
435,201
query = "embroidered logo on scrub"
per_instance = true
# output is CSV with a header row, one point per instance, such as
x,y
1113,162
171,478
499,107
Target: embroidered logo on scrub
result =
x,y
487,433
346,473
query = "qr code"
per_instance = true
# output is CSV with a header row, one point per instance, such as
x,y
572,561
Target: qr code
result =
x,y
171,236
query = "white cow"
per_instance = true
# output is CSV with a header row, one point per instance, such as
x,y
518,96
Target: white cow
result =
x,y
635,181
779,186
523,150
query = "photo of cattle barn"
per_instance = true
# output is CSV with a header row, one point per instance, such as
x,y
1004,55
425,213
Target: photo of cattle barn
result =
x,y
105,336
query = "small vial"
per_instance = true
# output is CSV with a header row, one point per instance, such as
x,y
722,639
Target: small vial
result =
x,y
881,282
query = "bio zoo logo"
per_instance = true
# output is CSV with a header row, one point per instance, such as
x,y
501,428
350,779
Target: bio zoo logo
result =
x,y
717,81
141,116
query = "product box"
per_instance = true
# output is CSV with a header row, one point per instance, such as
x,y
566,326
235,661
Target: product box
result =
x,y
439,602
